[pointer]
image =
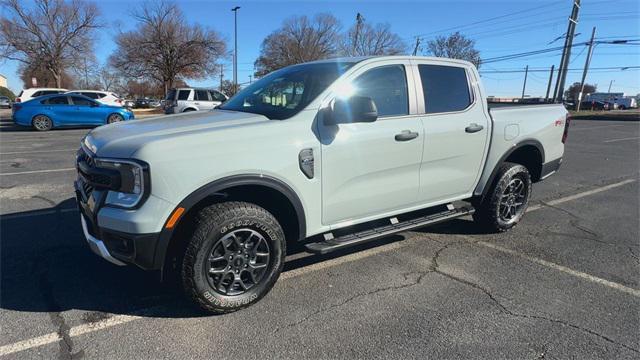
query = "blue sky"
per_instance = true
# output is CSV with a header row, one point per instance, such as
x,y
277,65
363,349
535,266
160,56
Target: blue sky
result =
x,y
535,25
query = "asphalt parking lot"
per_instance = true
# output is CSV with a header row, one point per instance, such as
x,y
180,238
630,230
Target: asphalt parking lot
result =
x,y
563,284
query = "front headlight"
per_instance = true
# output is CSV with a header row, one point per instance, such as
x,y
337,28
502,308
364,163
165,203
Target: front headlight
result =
x,y
132,182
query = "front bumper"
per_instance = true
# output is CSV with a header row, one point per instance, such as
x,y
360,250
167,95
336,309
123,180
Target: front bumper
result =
x,y
97,246
117,247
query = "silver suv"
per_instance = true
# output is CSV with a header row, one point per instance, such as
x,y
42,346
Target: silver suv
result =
x,y
192,99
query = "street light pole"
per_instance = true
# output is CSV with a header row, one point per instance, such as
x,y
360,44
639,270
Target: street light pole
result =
x,y
235,47
610,83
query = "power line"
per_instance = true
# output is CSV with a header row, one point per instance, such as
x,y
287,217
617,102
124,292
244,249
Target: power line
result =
x,y
617,68
472,24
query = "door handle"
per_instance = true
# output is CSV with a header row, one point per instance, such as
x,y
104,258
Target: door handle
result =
x,y
473,128
406,135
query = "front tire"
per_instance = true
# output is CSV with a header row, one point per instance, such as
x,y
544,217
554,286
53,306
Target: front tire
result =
x,y
114,118
42,123
234,257
506,201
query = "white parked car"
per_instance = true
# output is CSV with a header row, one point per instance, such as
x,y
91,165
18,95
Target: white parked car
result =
x,y
105,97
192,99
28,94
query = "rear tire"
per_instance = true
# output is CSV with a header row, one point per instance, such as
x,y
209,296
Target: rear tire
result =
x,y
234,256
42,123
506,201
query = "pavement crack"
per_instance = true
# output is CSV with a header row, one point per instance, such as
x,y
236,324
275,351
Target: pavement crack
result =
x,y
419,275
48,201
508,312
66,343
418,279
633,254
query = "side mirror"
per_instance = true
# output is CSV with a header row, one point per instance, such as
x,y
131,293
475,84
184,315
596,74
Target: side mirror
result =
x,y
356,109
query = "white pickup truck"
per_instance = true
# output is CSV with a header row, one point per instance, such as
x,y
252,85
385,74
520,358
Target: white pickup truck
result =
x,y
329,154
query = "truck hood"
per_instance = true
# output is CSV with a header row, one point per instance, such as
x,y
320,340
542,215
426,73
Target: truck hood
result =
x,y
123,139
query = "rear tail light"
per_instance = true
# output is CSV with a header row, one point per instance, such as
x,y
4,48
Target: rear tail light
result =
x,y
16,107
566,128
18,100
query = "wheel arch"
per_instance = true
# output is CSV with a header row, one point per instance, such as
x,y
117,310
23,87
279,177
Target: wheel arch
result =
x,y
528,153
190,108
266,191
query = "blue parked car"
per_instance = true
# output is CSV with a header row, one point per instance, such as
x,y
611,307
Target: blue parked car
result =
x,y
46,112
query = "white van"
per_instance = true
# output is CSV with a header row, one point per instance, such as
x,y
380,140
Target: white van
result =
x,y
192,99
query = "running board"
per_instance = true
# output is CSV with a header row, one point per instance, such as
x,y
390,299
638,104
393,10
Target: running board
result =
x,y
331,244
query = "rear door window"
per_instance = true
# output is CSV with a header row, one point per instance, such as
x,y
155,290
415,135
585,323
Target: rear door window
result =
x,y
56,100
445,88
217,96
202,95
80,101
184,94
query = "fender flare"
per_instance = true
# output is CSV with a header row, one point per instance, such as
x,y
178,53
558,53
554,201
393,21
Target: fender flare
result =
x,y
216,188
504,157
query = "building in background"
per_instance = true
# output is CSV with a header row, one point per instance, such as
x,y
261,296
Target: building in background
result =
x,y
3,80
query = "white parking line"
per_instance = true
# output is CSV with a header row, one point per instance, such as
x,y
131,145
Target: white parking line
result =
x,y
36,171
563,269
122,319
582,194
37,152
624,139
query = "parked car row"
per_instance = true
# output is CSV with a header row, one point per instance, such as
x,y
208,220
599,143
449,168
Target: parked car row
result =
x,y
66,109
47,108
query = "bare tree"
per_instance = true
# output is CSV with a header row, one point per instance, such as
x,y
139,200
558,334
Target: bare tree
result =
x,y
164,47
455,46
298,40
52,34
108,78
573,90
229,88
43,76
363,39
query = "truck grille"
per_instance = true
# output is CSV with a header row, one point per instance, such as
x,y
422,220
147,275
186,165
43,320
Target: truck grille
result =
x,y
86,187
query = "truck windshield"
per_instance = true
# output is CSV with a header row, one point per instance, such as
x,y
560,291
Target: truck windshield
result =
x,y
283,93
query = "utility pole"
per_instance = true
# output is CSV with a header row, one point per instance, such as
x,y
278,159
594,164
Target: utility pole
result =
x,y
415,49
566,52
235,46
610,83
250,79
546,98
221,75
524,86
587,62
359,22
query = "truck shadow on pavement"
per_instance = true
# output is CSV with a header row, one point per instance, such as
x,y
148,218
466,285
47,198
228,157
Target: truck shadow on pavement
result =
x,y
46,266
